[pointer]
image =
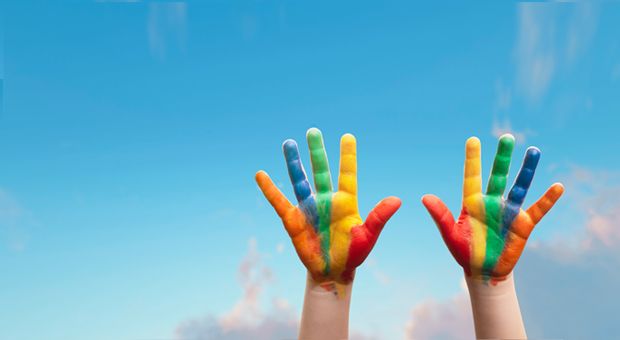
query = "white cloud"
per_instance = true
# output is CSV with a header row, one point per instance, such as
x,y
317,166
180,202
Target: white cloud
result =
x,y
166,22
545,44
581,29
372,264
500,129
450,319
247,319
535,52
280,247
567,286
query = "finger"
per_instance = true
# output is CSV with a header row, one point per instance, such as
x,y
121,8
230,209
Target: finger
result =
x,y
347,180
318,158
296,171
457,238
275,197
380,214
544,204
522,183
440,214
501,165
472,182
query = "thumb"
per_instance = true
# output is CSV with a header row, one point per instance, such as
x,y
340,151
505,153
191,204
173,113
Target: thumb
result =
x,y
440,214
380,214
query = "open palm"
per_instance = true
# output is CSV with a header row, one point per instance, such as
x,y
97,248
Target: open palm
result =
x,y
491,232
326,228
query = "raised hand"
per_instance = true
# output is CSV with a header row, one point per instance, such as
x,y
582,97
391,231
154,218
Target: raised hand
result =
x,y
491,232
326,228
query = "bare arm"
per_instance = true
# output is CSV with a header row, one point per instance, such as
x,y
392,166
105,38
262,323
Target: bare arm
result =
x,y
324,315
496,310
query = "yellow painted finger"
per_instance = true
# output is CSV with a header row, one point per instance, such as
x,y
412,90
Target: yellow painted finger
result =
x,y
347,179
472,182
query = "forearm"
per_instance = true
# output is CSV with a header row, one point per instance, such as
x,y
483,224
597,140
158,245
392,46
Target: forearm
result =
x,y
496,310
324,316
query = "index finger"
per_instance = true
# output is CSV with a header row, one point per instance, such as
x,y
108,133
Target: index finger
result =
x,y
347,180
472,179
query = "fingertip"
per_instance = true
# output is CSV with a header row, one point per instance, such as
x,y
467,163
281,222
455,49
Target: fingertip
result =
x,y
314,137
289,147
473,142
506,142
507,137
313,132
429,199
348,145
348,138
532,156
394,201
558,189
261,178
260,174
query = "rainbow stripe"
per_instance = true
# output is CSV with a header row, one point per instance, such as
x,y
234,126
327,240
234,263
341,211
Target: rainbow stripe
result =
x,y
326,229
490,222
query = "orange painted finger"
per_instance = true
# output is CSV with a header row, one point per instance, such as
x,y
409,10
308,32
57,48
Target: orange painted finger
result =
x,y
544,204
472,182
275,197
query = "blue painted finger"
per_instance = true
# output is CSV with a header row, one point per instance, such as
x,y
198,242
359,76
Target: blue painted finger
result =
x,y
296,171
524,178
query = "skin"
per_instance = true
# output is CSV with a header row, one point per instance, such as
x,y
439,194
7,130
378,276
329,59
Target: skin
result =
x,y
491,231
490,234
327,231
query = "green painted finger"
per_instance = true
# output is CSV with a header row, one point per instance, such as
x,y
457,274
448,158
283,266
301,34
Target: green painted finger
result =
x,y
501,166
318,158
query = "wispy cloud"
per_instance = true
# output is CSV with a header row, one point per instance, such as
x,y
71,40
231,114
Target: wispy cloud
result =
x,y
247,319
544,43
371,263
581,29
535,49
449,319
501,108
558,279
166,23
500,129
14,221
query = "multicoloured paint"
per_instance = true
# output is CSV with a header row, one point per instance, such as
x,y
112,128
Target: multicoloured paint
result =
x,y
326,228
491,232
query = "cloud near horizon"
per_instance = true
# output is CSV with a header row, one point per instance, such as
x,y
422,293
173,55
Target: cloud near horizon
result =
x,y
567,286
247,319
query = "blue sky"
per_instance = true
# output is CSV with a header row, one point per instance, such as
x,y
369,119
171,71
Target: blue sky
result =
x,y
131,133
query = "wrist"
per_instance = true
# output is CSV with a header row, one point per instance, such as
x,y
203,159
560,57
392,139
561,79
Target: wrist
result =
x,y
328,286
495,289
325,314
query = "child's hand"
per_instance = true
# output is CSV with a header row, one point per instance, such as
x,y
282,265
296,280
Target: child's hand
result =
x,y
490,234
326,228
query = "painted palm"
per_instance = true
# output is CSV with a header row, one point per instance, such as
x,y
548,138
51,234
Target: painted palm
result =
x,y
491,232
326,228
